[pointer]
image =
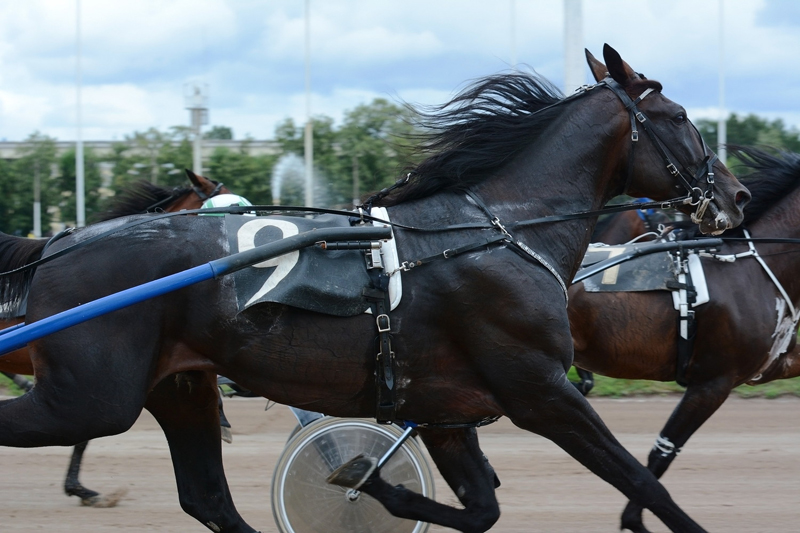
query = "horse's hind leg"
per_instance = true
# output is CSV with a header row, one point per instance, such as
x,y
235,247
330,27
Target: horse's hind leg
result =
x,y
185,405
699,402
72,486
464,467
560,413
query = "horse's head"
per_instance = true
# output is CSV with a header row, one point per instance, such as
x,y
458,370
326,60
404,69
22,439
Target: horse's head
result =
x,y
205,188
667,157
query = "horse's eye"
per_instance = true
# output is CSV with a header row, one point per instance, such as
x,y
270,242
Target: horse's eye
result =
x,y
680,118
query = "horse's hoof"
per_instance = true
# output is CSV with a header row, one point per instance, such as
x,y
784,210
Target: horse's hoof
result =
x,y
226,434
354,472
105,501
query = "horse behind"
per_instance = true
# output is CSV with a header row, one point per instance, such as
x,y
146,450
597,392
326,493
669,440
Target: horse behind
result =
x,y
140,197
482,330
745,333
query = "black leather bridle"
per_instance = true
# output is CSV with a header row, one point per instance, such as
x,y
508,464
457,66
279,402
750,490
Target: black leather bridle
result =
x,y
177,192
694,195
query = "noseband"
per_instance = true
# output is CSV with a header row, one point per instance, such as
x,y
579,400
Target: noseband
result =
x,y
694,195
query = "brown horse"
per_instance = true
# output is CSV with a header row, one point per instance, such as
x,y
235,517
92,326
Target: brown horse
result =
x,y
140,197
745,333
482,330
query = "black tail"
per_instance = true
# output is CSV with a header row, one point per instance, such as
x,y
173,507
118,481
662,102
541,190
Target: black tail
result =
x,y
15,253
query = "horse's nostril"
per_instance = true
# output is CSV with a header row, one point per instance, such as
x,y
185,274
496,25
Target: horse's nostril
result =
x,y
742,198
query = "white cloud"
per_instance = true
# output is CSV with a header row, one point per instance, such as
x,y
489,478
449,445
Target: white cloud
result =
x,y
138,54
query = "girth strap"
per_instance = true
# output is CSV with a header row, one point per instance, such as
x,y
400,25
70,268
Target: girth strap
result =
x,y
378,298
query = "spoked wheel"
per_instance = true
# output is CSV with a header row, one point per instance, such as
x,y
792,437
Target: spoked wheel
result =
x,y
303,502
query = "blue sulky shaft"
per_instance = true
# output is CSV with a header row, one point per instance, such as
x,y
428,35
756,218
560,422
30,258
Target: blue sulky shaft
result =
x,y
18,336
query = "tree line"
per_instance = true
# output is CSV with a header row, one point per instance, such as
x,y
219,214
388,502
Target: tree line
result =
x,y
367,152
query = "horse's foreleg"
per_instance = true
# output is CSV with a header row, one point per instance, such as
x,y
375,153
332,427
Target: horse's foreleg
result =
x,y
699,402
464,467
567,419
185,405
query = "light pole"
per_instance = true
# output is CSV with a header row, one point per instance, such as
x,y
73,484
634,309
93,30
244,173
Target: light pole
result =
x,y
722,124
196,99
80,206
37,200
309,133
574,75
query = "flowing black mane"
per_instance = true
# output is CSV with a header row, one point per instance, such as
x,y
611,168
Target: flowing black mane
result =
x,y
138,198
770,177
465,140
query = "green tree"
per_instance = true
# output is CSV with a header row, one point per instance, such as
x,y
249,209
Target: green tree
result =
x,y
153,155
291,139
65,183
753,130
246,175
376,144
17,178
219,132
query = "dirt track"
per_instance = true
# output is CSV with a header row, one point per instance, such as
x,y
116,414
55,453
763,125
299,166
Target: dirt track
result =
x,y
740,473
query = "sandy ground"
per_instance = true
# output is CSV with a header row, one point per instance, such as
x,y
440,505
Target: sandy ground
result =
x,y
740,473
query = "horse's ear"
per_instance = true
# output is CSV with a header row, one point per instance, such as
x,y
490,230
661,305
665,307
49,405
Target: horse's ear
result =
x,y
618,69
599,70
192,177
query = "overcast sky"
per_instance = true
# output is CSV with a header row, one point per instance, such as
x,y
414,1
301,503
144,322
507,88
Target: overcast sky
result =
x,y
138,56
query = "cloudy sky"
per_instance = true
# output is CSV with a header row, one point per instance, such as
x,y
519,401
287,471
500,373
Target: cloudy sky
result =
x,y
139,55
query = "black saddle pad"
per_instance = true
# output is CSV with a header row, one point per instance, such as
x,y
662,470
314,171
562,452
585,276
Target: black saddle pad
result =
x,y
326,281
645,273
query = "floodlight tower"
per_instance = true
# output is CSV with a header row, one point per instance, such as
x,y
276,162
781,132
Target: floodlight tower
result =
x,y
196,100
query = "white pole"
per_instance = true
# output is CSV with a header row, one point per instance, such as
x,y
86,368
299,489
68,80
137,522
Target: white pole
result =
x,y
574,75
309,137
80,207
197,142
37,200
722,124
513,35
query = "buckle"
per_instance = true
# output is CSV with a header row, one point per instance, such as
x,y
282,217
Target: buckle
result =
x,y
382,321
635,135
640,117
672,169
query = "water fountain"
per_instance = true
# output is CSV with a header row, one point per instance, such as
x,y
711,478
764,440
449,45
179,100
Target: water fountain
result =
x,y
288,182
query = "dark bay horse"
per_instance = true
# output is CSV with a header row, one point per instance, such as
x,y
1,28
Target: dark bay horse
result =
x,y
745,333
139,197
478,334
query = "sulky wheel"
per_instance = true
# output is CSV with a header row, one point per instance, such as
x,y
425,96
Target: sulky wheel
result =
x,y
302,502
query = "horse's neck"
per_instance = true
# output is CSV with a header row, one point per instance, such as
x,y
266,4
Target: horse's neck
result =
x,y
782,221
552,179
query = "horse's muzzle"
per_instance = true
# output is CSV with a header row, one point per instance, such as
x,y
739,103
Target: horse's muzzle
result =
x,y
715,221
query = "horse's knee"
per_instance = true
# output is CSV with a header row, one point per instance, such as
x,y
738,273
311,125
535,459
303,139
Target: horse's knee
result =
x,y
484,515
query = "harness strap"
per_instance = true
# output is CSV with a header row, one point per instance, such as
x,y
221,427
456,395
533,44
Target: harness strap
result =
x,y
520,246
378,298
449,253
687,321
792,309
